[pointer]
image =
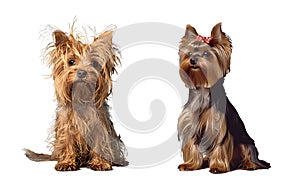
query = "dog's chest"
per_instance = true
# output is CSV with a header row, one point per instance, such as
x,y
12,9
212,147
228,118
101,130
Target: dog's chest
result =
x,y
200,121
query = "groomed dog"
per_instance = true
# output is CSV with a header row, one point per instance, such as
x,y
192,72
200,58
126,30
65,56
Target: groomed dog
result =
x,y
212,133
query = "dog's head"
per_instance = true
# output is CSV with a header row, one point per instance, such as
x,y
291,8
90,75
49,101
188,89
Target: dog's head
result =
x,y
204,60
82,72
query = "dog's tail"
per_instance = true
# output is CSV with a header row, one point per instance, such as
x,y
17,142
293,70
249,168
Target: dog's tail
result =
x,y
38,156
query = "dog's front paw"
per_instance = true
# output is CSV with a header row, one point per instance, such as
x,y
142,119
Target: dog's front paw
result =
x,y
66,166
187,167
102,166
182,167
217,170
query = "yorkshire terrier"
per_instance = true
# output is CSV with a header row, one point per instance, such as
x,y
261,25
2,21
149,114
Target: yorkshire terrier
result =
x,y
211,130
83,133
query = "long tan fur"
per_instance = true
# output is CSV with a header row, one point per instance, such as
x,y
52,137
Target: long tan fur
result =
x,y
83,133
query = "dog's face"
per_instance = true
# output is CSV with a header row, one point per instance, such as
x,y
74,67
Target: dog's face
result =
x,y
204,61
82,72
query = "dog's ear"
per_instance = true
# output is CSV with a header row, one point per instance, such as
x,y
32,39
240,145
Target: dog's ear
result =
x,y
190,32
59,37
105,37
222,42
219,36
103,45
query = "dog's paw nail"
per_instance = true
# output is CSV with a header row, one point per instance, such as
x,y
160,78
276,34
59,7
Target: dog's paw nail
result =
x,y
214,171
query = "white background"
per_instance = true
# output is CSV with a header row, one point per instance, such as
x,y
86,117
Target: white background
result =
x,y
263,86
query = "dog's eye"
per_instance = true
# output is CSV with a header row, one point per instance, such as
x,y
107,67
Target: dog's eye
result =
x,y
189,54
206,54
71,62
96,65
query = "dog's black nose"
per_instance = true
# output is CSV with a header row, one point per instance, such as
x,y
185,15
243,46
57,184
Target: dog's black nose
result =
x,y
81,74
193,61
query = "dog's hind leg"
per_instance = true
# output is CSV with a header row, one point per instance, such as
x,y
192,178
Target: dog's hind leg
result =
x,y
250,158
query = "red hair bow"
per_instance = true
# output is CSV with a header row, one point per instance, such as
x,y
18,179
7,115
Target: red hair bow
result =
x,y
205,39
